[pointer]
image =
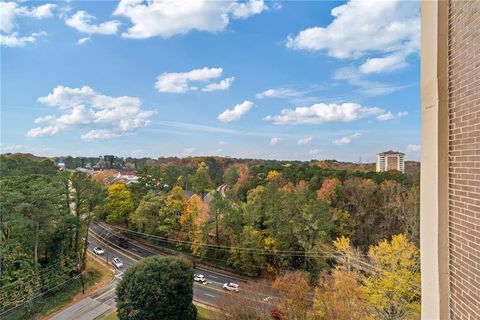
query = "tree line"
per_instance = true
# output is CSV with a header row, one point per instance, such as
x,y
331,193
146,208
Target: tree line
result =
x,y
282,222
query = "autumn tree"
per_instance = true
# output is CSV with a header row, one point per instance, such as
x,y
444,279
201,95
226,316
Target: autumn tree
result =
x,y
394,291
292,291
339,296
328,192
358,198
193,217
119,204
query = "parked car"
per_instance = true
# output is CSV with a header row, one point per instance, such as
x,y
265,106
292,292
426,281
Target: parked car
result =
x,y
199,278
231,287
117,263
98,251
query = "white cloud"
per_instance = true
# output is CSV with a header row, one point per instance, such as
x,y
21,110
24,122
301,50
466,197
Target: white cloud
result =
x,y
189,150
306,140
44,131
82,21
366,87
314,152
366,27
236,113
390,116
280,93
12,40
347,139
167,18
99,134
243,10
323,113
10,148
65,98
179,82
385,64
84,107
83,40
414,148
274,141
9,11
222,85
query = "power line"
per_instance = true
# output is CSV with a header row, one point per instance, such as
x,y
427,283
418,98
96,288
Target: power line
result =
x,y
39,295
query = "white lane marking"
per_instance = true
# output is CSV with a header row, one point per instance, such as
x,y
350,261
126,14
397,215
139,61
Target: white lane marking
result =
x,y
210,295
213,277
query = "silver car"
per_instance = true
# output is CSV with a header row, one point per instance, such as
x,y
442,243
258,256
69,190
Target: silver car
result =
x,y
117,263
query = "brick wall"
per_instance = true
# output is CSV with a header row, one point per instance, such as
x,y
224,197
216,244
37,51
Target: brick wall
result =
x,y
464,158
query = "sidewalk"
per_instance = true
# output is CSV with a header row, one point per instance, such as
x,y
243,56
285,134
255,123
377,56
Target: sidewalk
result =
x,y
85,309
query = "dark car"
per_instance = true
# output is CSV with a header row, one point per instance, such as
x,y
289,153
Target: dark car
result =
x,y
123,243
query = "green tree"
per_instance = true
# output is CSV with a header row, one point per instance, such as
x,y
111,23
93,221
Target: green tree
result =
x,y
201,181
119,204
157,288
246,256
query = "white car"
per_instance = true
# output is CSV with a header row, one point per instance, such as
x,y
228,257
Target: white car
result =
x,y
199,278
98,251
117,263
231,287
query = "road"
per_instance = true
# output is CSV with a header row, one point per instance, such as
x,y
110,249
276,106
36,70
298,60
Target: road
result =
x,y
221,188
104,300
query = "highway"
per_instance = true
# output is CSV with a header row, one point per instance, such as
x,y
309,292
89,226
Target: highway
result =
x,y
207,294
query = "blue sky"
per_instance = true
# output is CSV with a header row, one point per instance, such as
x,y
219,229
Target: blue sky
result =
x,y
277,80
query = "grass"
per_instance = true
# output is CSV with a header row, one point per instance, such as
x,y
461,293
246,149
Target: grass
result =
x,y
204,314
110,316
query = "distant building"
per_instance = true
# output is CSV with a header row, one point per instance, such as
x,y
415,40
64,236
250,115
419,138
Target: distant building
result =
x,y
83,170
391,161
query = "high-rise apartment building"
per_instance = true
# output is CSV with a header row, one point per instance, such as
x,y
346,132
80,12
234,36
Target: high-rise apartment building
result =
x,y
450,175
391,160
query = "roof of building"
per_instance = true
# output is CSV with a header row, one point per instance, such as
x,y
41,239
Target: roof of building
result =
x,y
390,152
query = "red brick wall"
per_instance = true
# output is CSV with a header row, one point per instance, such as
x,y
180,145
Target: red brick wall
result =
x,y
464,158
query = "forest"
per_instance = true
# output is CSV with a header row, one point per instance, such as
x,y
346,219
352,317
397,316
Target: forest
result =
x,y
336,227
43,229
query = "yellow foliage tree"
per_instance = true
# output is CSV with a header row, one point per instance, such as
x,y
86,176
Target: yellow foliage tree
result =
x,y
394,291
272,175
192,220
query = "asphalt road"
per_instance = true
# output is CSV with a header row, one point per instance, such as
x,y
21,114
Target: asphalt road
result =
x,y
103,300
209,293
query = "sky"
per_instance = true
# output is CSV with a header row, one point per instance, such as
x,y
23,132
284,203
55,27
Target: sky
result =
x,y
282,80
